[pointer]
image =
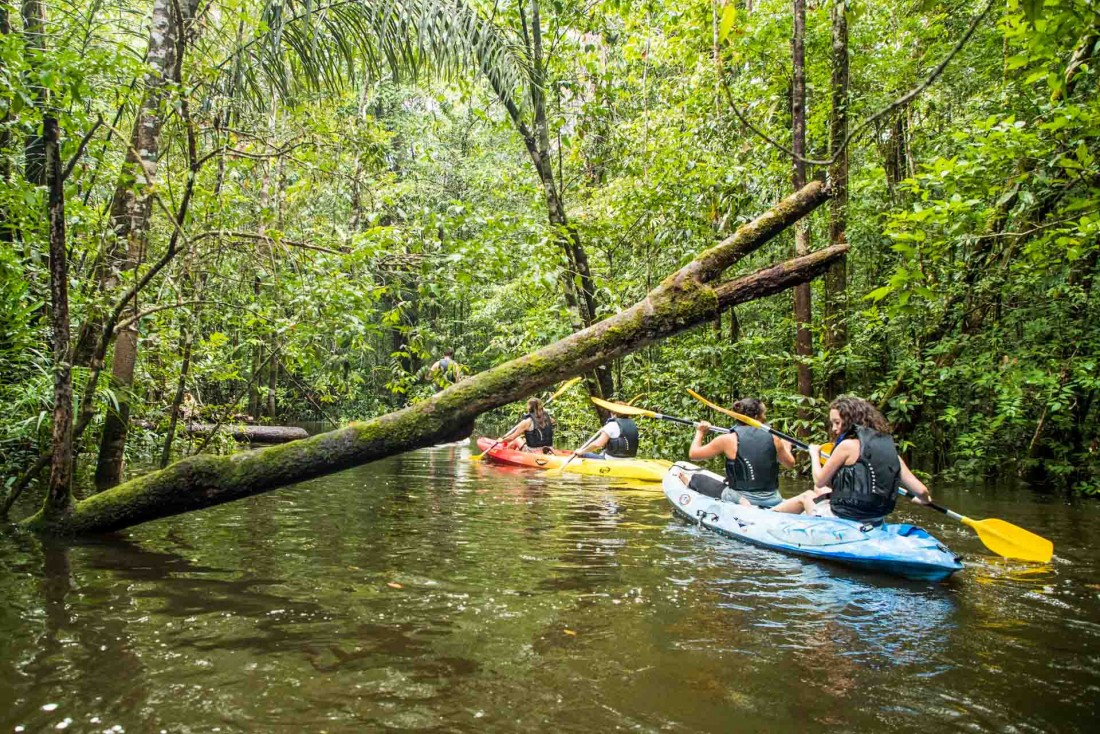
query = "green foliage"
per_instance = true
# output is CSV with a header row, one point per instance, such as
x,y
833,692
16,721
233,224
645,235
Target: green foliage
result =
x,y
362,202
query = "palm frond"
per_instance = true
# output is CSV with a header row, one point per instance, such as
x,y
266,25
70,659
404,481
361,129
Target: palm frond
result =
x,y
301,45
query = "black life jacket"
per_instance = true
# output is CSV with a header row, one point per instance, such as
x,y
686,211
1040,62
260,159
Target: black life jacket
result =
x,y
626,445
538,437
756,468
868,489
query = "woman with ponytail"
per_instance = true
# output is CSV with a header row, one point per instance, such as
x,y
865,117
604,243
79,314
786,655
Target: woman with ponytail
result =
x,y
535,429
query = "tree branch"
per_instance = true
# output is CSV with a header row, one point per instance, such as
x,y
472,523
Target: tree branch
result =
x,y
80,149
858,130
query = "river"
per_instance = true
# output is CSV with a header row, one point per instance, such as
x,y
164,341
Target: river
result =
x,y
430,593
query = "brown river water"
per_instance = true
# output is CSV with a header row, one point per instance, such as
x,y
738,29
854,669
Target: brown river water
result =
x,y
430,593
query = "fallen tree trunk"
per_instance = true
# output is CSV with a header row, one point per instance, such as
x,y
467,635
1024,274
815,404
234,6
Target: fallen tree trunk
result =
x,y
691,296
251,434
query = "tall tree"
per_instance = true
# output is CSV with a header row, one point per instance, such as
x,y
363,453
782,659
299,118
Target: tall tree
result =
x,y
6,234
131,212
59,496
802,306
534,128
34,33
836,280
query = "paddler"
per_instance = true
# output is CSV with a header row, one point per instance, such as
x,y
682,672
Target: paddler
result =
x,y
535,429
860,479
618,438
752,457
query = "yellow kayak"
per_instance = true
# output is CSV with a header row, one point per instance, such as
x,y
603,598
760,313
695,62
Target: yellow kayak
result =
x,y
646,470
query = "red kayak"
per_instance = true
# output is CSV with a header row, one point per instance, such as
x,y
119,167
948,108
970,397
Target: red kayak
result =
x,y
533,459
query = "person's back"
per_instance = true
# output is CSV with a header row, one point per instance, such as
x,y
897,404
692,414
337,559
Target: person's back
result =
x,y
752,457
622,438
755,471
861,477
445,371
539,431
867,490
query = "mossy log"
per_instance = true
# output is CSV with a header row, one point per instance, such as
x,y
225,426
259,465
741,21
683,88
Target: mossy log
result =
x,y
692,295
251,434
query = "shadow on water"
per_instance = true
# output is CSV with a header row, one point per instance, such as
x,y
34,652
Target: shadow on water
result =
x,y
429,592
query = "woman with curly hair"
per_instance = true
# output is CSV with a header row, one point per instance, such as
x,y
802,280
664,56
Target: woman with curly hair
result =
x,y
860,479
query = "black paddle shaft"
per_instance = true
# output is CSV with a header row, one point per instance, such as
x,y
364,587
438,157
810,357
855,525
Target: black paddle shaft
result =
x,y
689,422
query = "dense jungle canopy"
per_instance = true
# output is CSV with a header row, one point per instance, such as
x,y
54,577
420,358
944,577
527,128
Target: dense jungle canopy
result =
x,y
289,210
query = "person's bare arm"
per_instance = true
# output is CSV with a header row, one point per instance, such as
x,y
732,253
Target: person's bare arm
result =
x,y
823,475
916,487
783,452
598,443
521,427
719,446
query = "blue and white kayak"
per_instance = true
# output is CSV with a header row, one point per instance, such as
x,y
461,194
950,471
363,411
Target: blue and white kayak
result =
x,y
902,550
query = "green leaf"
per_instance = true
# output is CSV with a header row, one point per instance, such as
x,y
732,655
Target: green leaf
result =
x,y
878,294
729,15
1033,9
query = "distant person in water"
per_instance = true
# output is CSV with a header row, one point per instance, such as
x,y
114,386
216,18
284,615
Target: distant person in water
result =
x,y
618,438
752,458
535,430
860,479
445,371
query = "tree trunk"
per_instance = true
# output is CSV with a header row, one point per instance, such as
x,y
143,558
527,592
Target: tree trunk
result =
x,y
686,298
177,400
836,280
803,311
251,434
131,209
34,31
254,382
7,234
272,383
59,497
580,290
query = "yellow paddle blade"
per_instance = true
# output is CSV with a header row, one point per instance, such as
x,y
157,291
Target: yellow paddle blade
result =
x,y
623,409
1011,541
479,457
568,384
743,418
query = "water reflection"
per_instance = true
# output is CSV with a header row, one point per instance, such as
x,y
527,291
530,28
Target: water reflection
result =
x,y
432,592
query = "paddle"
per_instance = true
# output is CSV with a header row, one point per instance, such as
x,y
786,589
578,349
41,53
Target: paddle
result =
x,y
632,410
568,384
750,421
999,536
558,469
